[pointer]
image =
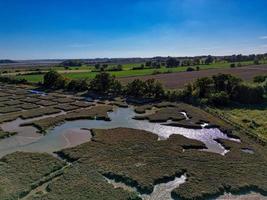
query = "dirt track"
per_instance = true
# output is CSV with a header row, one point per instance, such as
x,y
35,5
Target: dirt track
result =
x,y
180,79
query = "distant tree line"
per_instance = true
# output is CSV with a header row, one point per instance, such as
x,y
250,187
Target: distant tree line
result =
x,y
12,80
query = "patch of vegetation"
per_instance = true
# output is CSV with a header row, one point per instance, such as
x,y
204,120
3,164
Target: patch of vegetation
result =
x,y
252,118
82,104
28,106
163,115
97,112
4,134
172,111
46,103
39,112
66,107
32,113
138,159
64,100
19,171
9,109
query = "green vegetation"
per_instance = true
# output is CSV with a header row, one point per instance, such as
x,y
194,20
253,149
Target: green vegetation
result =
x,y
169,111
252,118
138,159
220,90
20,171
163,115
104,84
127,70
32,113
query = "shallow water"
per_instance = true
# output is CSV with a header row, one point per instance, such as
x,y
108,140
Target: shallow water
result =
x,y
160,192
70,134
250,151
249,196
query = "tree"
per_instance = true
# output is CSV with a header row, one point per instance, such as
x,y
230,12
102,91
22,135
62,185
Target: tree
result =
x,y
97,66
54,80
116,88
135,88
104,83
153,89
202,87
264,85
225,82
77,85
219,99
209,60
148,64
260,78
248,94
172,62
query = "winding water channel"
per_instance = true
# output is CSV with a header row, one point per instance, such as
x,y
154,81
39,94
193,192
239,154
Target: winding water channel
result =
x,y
71,133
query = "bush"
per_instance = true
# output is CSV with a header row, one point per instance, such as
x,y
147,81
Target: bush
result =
x,y
77,85
115,68
138,67
248,94
6,79
264,85
219,99
232,65
256,62
260,78
155,72
190,69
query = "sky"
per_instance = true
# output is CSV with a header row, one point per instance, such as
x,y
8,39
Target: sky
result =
x,y
53,29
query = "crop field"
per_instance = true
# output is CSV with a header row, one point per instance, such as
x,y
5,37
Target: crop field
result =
x,y
179,80
83,72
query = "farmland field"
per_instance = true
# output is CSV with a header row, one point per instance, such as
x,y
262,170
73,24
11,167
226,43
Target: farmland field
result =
x,y
128,74
179,80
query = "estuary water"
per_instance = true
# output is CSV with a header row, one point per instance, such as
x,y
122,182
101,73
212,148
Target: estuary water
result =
x,y
72,133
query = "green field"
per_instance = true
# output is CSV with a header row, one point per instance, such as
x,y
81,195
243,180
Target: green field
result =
x,y
252,118
74,72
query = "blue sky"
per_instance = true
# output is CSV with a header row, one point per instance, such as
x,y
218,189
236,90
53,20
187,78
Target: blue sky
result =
x,y
35,29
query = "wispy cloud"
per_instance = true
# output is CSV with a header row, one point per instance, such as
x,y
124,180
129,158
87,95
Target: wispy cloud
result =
x,y
80,45
263,37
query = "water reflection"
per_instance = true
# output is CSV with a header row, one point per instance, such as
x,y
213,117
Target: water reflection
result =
x,y
70,133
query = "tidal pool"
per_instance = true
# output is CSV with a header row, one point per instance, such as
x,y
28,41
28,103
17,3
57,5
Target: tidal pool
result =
x,y
72,133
